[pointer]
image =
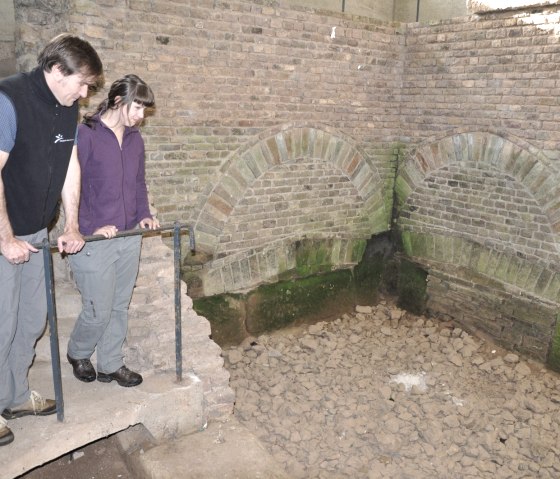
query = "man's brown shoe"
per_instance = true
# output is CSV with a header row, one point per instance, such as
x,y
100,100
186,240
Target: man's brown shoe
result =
x,y
83,369
124,376
6,435
36,405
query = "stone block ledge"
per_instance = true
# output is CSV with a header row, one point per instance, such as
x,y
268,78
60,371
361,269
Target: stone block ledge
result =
x,y
96,410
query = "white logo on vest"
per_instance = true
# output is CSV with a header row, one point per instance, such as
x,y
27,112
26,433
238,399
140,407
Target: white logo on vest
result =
x,y
60,139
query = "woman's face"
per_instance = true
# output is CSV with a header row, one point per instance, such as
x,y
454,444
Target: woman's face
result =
x,y
132,114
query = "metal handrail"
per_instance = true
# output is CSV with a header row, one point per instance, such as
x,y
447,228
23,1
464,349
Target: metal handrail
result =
x,y
47,246
134,232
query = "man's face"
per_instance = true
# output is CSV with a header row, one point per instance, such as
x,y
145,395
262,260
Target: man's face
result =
x,y
69,88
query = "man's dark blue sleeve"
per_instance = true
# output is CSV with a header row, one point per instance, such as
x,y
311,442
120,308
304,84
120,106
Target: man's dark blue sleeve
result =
x,y
8,124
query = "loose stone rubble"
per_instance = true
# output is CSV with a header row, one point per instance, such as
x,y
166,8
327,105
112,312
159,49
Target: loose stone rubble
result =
x,y
386,394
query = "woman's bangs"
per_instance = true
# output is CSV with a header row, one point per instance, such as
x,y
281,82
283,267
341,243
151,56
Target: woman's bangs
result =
x,y
144,96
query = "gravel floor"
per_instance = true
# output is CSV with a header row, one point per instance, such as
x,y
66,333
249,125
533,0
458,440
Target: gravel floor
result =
x,y
386,394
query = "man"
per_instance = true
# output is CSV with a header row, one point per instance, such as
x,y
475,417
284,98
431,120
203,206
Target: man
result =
x,y
38,165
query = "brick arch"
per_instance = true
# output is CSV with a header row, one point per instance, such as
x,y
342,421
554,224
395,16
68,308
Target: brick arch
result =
x,y
490,235
274,148
486,151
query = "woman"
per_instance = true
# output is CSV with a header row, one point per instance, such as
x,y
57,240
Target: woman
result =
x,y
113,198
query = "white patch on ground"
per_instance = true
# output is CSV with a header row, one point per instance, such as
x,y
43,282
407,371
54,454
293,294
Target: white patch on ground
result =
x,y
409,380
457,401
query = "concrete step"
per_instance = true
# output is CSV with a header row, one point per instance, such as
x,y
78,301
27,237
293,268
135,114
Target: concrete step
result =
x,y
96,410
224,450
166,408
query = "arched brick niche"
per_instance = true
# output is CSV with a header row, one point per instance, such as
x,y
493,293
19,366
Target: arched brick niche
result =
x,y
482,214
299,182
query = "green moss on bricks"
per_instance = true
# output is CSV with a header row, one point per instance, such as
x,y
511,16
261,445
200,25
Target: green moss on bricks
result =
x,y
476,252
553,290
553,361
543,281
482,261
276,306
406,242
402,190
322,256
312,257
225,312
379,220
419,245
478,279
358,248
411,287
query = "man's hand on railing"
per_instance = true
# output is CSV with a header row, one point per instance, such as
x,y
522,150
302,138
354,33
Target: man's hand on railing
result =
x,y
149,223
15,250
109,231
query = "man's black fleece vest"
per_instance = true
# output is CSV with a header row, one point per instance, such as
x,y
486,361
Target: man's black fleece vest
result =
x,y
34,174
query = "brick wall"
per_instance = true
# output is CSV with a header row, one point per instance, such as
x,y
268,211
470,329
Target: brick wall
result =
x,y
237,84
478,183
497,73
225,72
282,89
262,108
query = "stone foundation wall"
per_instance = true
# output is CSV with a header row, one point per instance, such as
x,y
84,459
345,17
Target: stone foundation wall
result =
x,y
150,343
512,319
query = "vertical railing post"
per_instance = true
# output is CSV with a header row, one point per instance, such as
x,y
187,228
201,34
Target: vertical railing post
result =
x,y
52,317
53,329
178,329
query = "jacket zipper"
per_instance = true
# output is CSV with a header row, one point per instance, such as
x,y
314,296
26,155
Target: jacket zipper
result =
x,y
49,162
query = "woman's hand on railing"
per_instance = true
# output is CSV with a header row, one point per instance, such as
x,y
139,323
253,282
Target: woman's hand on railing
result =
x,y
149,223
70,241
109,231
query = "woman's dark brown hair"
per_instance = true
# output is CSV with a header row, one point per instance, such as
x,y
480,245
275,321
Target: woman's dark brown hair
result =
x,y
124,91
